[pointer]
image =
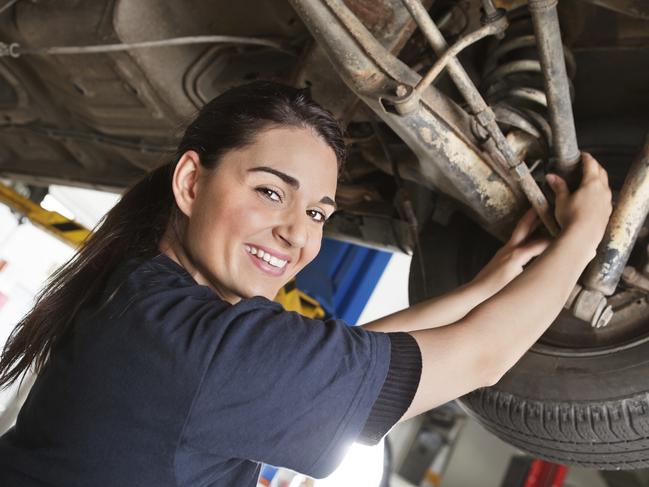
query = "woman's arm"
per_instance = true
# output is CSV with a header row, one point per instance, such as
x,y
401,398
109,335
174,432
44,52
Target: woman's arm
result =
x,y
479,348
452,306
434,312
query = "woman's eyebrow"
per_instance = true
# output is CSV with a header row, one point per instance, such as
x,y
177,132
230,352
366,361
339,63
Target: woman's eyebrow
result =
x,y
291,181
328,201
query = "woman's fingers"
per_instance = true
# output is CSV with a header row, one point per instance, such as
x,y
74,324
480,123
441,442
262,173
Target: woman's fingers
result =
x,y
558,185
525,226
593,169
590,166
527,252
604,175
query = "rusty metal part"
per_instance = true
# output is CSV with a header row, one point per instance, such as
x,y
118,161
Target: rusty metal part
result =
x,y
546,28
485,117
603,273
590,306
353,194
491,14
524,145
498,25
512,81
631,277
438,132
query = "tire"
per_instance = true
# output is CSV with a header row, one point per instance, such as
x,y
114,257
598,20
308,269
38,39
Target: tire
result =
x,y
586,406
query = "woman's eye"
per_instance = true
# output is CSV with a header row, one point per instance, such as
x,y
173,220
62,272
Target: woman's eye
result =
x,y
317,216
270,194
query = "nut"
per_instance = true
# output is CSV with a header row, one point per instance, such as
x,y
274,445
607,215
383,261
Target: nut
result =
x,y
402,90
605,318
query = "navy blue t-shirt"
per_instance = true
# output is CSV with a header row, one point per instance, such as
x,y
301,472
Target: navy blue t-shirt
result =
x,y
165,384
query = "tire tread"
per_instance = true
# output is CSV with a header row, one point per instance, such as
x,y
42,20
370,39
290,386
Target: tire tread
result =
x,y
612,434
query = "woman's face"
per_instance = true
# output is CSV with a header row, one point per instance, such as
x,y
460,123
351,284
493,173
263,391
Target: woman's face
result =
x,y
256,220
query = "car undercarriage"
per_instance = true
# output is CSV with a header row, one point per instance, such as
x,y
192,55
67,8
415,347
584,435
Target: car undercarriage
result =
x,y
453,113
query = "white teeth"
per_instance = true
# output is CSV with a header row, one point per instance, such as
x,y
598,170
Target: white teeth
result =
x,y
277,262
266,257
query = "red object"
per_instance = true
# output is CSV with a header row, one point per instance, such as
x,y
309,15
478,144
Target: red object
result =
x,y
545,474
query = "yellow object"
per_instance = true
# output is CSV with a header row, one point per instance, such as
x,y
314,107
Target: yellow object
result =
x,y
52,222
292,299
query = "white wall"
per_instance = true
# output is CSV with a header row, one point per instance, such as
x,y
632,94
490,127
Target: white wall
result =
x,y
32,255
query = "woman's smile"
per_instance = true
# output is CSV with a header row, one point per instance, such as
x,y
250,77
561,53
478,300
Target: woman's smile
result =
x,y
269,261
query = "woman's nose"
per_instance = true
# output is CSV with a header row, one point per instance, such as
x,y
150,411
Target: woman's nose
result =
x,y
293,230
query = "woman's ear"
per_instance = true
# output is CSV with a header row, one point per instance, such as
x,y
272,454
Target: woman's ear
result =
x,y
185,180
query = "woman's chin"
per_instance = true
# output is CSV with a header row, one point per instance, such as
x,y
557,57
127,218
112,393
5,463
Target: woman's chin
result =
x,y
268,294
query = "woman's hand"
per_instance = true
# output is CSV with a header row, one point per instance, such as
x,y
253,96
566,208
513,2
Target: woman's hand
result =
x,y
508,262
587,210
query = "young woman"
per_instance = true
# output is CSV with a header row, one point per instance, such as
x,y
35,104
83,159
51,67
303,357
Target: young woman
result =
x,y
163,361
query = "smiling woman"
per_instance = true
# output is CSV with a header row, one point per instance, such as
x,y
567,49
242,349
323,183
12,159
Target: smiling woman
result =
x,y
161,334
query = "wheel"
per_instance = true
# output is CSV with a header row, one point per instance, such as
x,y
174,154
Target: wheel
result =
x,y
579,396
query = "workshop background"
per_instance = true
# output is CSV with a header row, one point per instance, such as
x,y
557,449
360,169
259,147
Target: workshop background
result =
x,y
443,448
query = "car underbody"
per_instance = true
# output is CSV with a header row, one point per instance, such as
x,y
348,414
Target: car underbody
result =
x,y
453,112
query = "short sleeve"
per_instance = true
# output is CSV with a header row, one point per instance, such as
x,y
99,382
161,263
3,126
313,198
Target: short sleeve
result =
x,y
286,390
398,389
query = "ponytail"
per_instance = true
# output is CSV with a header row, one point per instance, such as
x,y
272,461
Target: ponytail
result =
x,y
132,228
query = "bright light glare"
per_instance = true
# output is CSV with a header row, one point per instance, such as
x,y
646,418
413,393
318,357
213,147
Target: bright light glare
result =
x,y
52,204
361,467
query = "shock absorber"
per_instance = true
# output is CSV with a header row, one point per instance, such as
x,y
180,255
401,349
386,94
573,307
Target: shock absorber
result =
x,y
512,80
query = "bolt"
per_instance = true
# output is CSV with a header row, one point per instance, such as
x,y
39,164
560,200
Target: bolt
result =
x,y
591,306
402,90
604,319
478,131
488,7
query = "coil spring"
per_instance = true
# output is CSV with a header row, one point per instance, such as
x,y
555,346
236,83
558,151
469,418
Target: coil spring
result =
x,y
513,80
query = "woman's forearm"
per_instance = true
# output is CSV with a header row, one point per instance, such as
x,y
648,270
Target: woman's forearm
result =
x,y
528,306
431,313
478,349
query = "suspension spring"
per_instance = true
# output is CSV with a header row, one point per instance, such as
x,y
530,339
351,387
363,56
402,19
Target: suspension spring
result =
x,y
512,80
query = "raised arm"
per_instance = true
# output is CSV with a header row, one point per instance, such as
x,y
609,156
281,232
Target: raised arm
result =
x,y
479,348
448,308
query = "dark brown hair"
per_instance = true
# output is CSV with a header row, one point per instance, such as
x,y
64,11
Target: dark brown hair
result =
x,y
135,226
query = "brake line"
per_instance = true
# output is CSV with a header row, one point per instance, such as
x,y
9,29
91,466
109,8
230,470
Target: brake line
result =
x,y
15,50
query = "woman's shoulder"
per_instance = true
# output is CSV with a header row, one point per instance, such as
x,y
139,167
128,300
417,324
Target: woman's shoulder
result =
x,y
156,273
160,279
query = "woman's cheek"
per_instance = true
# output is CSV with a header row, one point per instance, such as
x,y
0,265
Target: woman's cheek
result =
x,y
246,220
312,248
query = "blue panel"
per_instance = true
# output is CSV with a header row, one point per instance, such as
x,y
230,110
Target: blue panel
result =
x,y
267,472
342,277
